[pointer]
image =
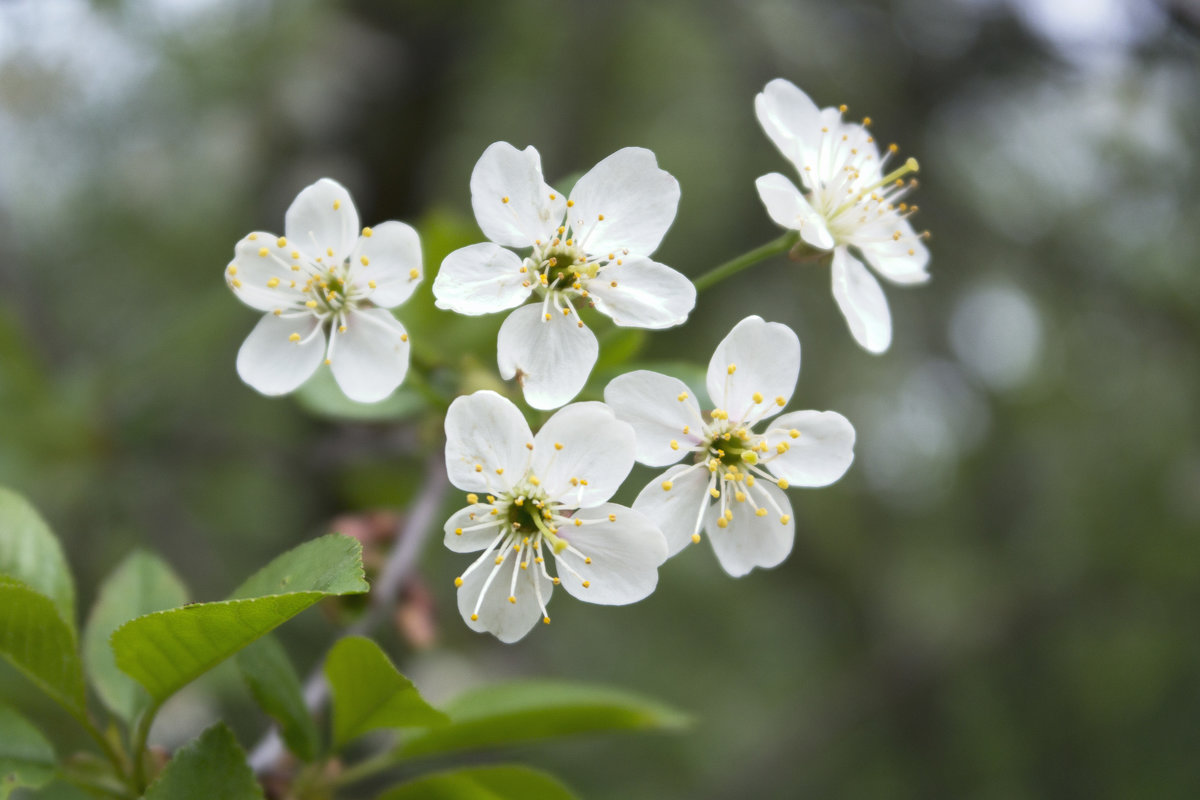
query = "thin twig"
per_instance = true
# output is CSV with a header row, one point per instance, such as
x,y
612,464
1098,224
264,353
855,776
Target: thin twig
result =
x,y
417,527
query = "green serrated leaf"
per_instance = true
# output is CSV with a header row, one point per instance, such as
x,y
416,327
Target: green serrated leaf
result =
x,y
169,649
502,782
26,758
273,681
370,694
34,637
30,552
142,584
504,714
213,766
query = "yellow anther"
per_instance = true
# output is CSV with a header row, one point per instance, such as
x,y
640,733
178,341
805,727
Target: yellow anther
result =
x,y
558,445
311,304
520,501
600,217
587,560
667,486
458,581
578,522
262,252
271,284
554,197
236,283
570,204
586,584
337,204
696,538
472,498
372,284
491,498
714,492
329,252
546,620
277,312
281,241
295,337
341,328
547,317
722,523
750,481
512,599
674,445
760,512
795,434
682,396
612,517
529,445
479,467
252,237
566,312
365,261
233,269
499,470
785,519
782,484
843,108
686,428
534,480
413,274
458,531
732,368
780,401
524,565
613,284
367,232
782,448
866,121
504,199
729,514
740,497
474,618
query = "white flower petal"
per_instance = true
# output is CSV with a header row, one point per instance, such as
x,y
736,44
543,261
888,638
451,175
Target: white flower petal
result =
x,y
479,527
370,358
508,622
625,548
641,293
861,300
754,367
391,259
261,273
550,358
636,199
582,454
821,453
480,279
513,204
895,251
676,511
485,432
788,209
750,540
274,363
322,222
791,120
652,404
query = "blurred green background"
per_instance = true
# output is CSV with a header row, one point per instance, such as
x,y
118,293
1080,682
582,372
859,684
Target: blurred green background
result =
x,y
999,600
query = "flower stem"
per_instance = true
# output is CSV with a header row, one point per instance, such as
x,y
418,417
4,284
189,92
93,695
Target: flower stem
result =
x,y
140,735
368,767
736,265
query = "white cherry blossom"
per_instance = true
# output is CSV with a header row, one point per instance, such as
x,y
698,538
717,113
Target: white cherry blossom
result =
x,y
325,286
733,486
590,248
848,202
535,499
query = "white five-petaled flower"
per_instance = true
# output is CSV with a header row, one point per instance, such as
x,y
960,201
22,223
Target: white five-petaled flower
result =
x,y
734,487
322,274
590,248
850,202
544,497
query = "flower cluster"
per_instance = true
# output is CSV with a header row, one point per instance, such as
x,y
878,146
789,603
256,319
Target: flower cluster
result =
x,y
538,510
